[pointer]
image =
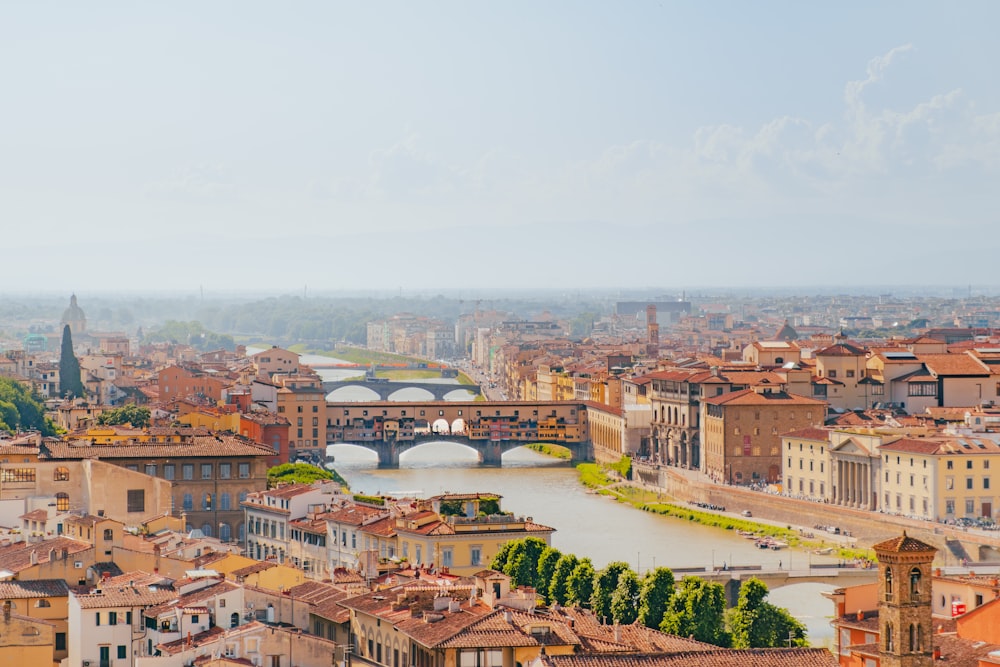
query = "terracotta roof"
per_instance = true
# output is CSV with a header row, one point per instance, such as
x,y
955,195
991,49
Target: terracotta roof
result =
x,y
751,397
759,657
808,433
124,596
192,598
903,544
17,556
210,636
496,631
219,445
954,364
38,588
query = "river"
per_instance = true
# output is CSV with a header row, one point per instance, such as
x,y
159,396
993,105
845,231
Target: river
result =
x,y
586,524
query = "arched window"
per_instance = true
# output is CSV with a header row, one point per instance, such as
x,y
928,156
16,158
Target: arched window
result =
x,y
913,638
206,502
234,620
915,583
779,360
888,637
188,503
62,502
224,501
241,531
61,474
888,583
225,532
206,529
42,603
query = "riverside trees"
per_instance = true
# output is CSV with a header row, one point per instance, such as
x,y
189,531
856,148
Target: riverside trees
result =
x,y
692,608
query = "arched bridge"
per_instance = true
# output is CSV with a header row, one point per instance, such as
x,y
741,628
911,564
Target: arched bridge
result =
x,y
390,428
732,579
490,451
385,388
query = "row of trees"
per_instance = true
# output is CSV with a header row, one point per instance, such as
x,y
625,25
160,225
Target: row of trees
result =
x,y
693,607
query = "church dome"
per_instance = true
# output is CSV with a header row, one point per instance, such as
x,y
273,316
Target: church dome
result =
x,y
74,316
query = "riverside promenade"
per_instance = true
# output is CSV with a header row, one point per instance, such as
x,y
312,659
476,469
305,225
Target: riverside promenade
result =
x,y
957,546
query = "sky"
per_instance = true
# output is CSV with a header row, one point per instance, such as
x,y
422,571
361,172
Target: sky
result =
x,y
416,145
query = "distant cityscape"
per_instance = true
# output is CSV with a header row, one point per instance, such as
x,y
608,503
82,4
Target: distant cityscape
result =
x,y
164,543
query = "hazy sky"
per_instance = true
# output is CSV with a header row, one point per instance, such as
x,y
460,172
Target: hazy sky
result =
x,y
246,145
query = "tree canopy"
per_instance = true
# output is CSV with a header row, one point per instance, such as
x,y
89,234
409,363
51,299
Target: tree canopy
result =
x,y
654,595
127,414
756,623
605,584
697,609
21,409
300,473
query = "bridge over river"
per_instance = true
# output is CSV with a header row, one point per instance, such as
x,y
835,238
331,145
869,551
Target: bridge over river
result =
x,y
733,578
385,388
390,428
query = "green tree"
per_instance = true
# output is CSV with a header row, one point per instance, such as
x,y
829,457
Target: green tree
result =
x,y
69,367
581,584
546,569
654,595
697,609
489,506
625,599
522,561
605,584
300,473
22,410
756,623
559,586
127,414
499,561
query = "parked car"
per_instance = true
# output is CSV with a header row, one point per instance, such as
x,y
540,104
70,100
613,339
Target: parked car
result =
x,y
746,513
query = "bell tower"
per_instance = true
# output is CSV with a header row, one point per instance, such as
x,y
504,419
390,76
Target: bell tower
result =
x,y
904,602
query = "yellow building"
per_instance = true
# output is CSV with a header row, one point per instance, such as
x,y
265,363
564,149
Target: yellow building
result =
x,y
940,478
806,463
45,600
27,641
448,531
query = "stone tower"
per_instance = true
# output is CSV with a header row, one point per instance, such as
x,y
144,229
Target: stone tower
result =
x,y
904,602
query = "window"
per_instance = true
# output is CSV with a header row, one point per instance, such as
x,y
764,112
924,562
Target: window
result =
x,y
968,464
850,373
97,618
922,389
447,557
136,500
62,502
187,471
206,471
225,470
949,506
61,474
188,502
244,470
968,482
108,534
950,465
986,482
60,641
150,469
475,556
206,502
224,501
169,471
112,618
17,475
832,373
970,506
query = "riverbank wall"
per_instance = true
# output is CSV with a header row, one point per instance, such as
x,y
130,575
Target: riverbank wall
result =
x,y
956,545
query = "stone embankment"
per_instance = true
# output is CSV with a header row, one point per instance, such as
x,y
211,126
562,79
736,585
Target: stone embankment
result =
x,y
864,527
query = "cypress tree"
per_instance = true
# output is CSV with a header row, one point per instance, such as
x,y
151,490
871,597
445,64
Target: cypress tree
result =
x,y
69,367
